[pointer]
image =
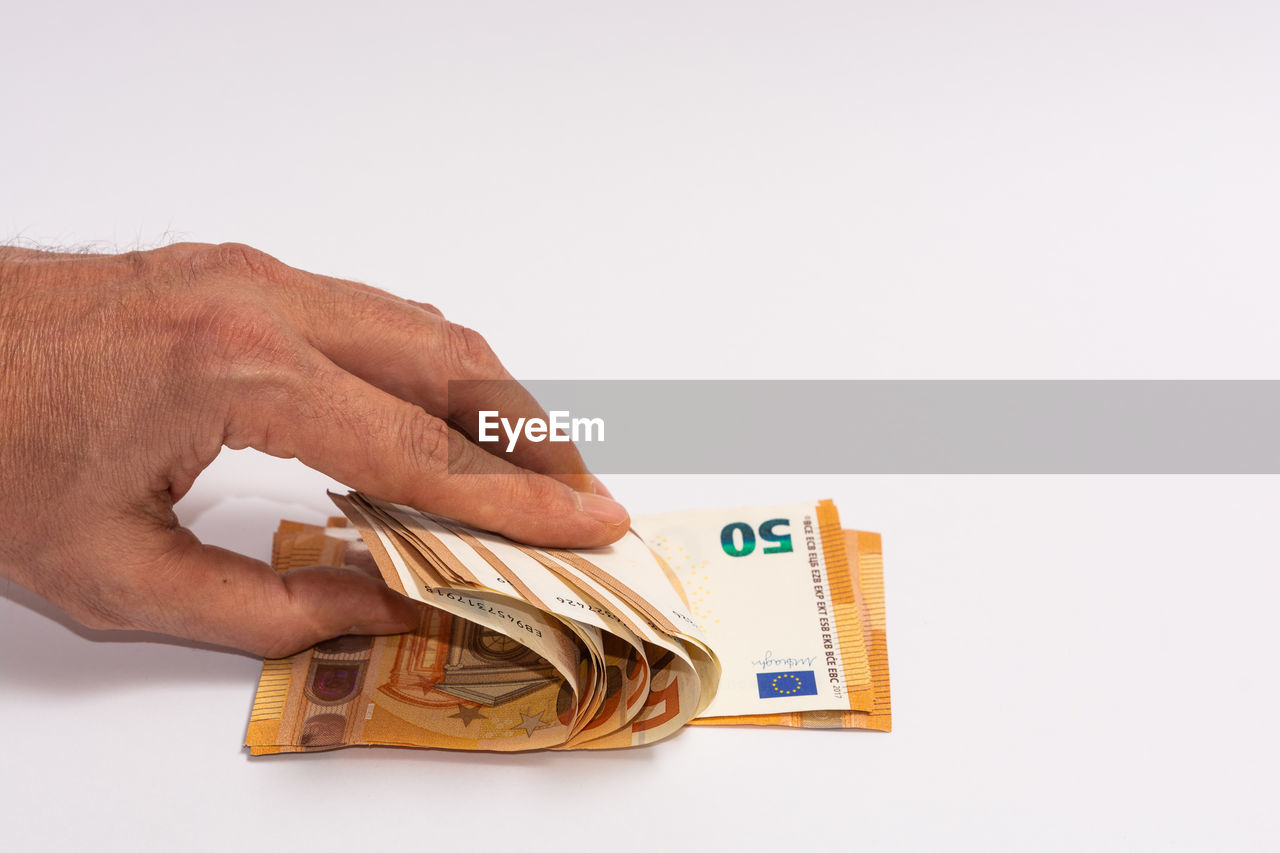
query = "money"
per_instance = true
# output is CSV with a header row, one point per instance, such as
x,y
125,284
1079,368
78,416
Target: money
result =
x,y
754,616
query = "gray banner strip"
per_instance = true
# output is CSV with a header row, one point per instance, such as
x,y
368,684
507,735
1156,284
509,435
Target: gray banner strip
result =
x,y
804,427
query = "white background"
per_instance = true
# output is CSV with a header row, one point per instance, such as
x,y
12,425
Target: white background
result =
x,y
981,190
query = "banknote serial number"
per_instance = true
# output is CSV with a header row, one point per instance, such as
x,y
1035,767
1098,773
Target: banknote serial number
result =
x,y
490,609
571,603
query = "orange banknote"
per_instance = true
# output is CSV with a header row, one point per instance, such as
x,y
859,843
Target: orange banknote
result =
x,y
523,648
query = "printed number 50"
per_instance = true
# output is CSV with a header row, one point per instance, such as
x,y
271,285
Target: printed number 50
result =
x,y
741,530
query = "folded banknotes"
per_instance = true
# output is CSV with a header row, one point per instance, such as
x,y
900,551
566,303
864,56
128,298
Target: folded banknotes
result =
x,y
749,616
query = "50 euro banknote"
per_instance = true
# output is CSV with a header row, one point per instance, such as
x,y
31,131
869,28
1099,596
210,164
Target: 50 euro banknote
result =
x,y
751,616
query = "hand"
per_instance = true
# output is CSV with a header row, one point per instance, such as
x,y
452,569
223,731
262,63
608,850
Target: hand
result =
x,y
122,377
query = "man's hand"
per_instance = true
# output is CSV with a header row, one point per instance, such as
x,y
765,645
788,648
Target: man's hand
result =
x,y
122,376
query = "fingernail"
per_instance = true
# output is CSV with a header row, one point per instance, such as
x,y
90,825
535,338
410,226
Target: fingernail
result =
x,y
603,509
599,488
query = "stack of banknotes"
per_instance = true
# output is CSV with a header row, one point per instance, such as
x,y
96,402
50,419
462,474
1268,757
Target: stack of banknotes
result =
x,y
767,616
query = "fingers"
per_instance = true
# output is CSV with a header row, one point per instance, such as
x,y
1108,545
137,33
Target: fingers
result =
x,y
408,349
380,444
216,596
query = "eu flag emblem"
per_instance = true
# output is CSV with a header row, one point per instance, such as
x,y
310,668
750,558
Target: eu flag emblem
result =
x,y
797,683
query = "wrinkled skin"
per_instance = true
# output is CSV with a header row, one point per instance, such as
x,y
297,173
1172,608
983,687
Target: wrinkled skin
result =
x,y
122,376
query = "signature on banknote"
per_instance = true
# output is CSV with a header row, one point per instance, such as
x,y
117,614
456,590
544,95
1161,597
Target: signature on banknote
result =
x,y
771,662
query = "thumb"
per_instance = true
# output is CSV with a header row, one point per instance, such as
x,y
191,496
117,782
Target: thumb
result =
x,y
218,596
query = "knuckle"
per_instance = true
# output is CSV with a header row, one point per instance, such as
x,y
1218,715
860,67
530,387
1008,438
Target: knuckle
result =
x,y
235,259
425,439
469,352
